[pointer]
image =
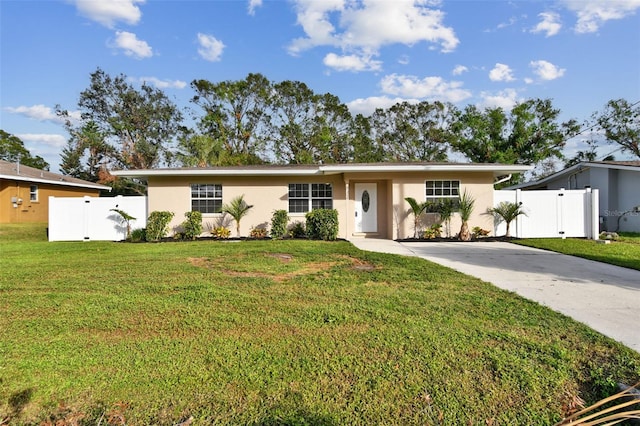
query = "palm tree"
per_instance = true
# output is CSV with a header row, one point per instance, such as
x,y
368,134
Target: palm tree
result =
x,y
465,208
508,212
417,209
237,209
446,208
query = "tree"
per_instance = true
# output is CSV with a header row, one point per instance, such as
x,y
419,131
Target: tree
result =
x,y
508,212
237,209
86,143
465,208
196,150
529,134
413,132
621,123
12,149
365,148
589,154
416,209
137,125
234,116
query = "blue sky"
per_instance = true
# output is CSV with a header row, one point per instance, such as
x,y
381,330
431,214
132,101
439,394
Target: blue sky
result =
x,y
369,53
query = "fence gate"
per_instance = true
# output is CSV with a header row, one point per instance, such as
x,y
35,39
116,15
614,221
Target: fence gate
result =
x,y
552,213
92,218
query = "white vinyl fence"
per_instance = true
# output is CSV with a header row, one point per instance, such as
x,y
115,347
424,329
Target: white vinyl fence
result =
x,y
552,213
91,218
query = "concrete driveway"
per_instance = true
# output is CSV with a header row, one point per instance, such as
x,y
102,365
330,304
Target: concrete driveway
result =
x,y
603,296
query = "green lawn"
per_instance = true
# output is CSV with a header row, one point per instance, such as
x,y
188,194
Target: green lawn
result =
x,y
624,252
278,332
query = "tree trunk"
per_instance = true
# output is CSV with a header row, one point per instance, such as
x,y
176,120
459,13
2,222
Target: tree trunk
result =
x,y
465,234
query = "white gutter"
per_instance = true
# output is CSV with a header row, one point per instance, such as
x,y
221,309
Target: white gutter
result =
x,y
215,172
503,179
345,168
55,182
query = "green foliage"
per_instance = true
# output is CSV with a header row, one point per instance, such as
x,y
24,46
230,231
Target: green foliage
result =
x,y
465,207
434,231
478,232
416,209
126,218
322,224
507,211
621,123
138,235
192,226
259,232
220,232
297,230
158,225
12,149
279,221
237,209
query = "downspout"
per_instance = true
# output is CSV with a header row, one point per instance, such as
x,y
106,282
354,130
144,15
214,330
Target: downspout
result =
x,y
504,179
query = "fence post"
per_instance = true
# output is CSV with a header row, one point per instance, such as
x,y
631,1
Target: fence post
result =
x,y
560,214
518,221
595,213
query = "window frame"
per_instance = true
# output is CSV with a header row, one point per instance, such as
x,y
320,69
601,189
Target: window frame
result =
x,y
203,192
437,198
313,196
34,193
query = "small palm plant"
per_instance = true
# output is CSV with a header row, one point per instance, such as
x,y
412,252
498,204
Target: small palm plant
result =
x,y
416,209
445,210
126,218
237,209
465,208
508,212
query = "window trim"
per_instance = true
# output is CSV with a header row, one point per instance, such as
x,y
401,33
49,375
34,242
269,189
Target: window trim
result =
x,y
309,189
217,187
34,194
438,198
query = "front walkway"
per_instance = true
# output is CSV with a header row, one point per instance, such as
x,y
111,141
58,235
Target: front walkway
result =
x,y
603,296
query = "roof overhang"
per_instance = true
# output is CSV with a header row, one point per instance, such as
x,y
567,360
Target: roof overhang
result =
x,y
496,169
88,185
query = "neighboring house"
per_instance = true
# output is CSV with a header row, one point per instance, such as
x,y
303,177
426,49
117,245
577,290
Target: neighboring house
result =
x,y
25,192
618,185
369,198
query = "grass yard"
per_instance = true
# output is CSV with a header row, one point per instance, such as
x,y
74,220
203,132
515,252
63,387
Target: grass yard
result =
x,y
278,332
624,252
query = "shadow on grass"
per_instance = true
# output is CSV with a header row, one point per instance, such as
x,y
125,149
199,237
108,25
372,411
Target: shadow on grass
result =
x,y
17,402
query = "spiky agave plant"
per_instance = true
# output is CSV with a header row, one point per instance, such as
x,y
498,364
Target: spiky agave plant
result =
x,y
237,209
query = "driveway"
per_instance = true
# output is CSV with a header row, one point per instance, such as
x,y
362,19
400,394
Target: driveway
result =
x,y
603,296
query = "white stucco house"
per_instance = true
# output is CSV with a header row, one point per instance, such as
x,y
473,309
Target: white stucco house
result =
x,y
618,183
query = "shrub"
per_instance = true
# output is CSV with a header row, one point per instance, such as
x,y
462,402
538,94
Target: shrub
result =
x,y
192,227
258,233
478,232
158,225
322,224
220,232
279,223
297,230
434,231
138,235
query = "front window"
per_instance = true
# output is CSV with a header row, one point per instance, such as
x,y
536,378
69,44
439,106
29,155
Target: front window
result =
x,y
206,198
33,193
304,197
442,191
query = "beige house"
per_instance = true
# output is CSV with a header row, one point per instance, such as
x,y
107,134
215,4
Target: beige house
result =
x,y
25,192
369,198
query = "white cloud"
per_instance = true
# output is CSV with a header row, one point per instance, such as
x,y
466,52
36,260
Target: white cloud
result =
x,y
550,24
42,113
351,63
592,14
501,72
403,60
504,99
131,46
546,70
108,12
459,69
366,106
161,84
427,88
53,140
210,47
253,4
366,26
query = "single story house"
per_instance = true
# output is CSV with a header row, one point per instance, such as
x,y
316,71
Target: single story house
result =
x,y
618,184
25,192
369,197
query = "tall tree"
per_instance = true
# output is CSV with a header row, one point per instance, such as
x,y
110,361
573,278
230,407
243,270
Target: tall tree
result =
x,y
138,125
12,149
196,150
413,132
365,148
621,123
87,153
528,135
234,113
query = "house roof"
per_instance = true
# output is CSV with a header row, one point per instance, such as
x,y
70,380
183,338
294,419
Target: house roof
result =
x,y
326,169
617,165
20,172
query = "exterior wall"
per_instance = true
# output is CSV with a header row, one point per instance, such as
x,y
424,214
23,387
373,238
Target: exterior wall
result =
x,y
627,198
33,211
270,193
